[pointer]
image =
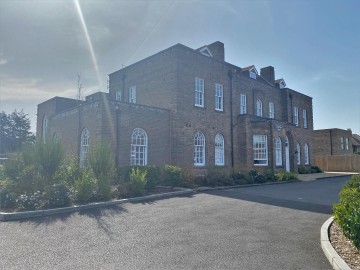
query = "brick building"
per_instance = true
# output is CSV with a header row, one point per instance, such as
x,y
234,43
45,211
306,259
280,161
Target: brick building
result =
x,y
333,141
188,108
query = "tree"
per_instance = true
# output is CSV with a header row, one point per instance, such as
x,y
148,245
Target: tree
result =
x,y
14,131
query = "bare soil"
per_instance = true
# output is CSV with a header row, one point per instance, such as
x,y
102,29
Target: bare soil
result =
x,y
344,247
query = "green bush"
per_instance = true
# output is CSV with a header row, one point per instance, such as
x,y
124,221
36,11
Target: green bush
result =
x,y
239,178
285,176
260,178
218,176
13,166
68,172
173,176
153,176
57,195
83,188
29,202
315,169
137,181
7,199
303,170
347,211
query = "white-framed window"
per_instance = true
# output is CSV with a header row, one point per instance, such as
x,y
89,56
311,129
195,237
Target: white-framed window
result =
x,y
199,92
259,111
118,95
282,84
271,110
306,154
242,104
219,150
199,149
347,143
342,143
252,74
278,152
219,94
298,154
132,94
296,116
45,122
139,147
305,118
84,147
260,149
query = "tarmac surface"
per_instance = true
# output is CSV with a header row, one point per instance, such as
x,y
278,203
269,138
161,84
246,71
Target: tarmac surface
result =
x,y
263,227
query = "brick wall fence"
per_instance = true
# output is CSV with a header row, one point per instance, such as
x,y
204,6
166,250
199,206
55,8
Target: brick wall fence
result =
x,y
338,163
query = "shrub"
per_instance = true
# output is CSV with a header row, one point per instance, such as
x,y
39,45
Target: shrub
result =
x,y
29,202
84,187
68,172
239,178
7,199
347,211
13,166
173,176
303,170
57,195
28,181
259,179
189,178
137,181
218,176
285,176
153,176
315,169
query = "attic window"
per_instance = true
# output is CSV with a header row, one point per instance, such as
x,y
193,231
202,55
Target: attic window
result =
x,y
253,73
282,84
205,51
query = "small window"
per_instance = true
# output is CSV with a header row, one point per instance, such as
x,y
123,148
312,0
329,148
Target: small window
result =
x,y
271,110
199,149
44,128
298,154
84,147
278,152
199,92
306,154
260,150
242,104
347,143
118,95
305,118
219,92
282,84
139,143
219,150
342,143
132,94
252,74
259,111
296,116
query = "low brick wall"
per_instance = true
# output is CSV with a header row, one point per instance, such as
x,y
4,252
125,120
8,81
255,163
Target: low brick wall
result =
x,y
338,163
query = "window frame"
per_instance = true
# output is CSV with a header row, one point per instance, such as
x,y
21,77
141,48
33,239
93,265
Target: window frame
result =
x,y
132,94
260,150
346,143
45,123
84,147
219,150
243,108
259,108
296,116
298,155
199,92
305,124
342,143
306,154
139,147
252,74
278,152
219,97
271,110
199,149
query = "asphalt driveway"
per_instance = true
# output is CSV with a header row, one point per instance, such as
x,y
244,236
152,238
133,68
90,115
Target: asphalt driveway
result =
x,y
265,227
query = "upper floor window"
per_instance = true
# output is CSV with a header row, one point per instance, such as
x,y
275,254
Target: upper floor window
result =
x,y
259,111
139,143
44,128
219,100
118,95
306,154
342,143
260,149
199,92
282,84
305,118
242,104
253,73
278,152
199,149
84,146
271,110
132,94
298,154
296,116
219,150
347,143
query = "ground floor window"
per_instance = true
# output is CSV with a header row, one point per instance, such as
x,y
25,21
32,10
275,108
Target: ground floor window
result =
x,y
139,147
219,150
84,147
260,149
298,154
278,152
306,154
199,149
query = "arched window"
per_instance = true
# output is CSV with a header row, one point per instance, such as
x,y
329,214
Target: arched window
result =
x,y
199,149
44,128
138,154
219,150
298,154
306,154
84,147
278,152
259,111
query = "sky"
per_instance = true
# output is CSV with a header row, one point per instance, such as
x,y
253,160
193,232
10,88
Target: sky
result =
x,y
313,44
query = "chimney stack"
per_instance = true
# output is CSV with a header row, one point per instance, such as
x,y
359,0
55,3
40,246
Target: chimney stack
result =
x,y
268,73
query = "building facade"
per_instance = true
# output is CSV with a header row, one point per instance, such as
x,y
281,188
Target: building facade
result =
x,y
190,108
333,142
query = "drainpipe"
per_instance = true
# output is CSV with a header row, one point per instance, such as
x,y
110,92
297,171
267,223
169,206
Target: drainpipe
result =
x,y
231,118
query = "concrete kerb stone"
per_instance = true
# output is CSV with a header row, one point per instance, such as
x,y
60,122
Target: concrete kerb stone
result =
x,y
40,213
335,260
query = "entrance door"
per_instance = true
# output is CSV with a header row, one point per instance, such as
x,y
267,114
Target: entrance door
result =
x,y
287,154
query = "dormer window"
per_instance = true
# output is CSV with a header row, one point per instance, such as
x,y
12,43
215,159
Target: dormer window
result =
x,y
253,73
282,84
205,51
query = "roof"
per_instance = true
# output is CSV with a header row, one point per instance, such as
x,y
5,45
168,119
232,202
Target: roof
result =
x,y
355,139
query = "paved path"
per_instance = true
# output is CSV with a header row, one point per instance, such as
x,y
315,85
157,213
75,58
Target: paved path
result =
x,y
265,227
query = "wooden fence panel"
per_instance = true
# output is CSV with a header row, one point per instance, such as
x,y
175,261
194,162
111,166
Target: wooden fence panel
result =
x,y
338,163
